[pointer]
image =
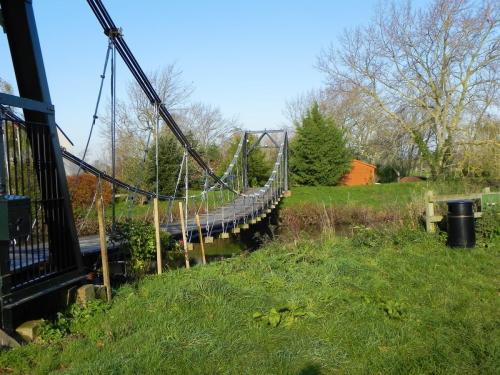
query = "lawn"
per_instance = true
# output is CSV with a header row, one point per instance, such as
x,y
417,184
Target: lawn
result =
x,y
395,302
375,196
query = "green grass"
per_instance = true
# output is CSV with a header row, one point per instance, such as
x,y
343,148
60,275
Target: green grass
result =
x,y
400,303
375,196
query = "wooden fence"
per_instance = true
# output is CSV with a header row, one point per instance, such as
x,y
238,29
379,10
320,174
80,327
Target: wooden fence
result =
x,y
487,198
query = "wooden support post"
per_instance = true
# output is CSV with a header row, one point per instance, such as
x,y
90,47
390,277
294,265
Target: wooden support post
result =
x,y
429,212
200,234
159,264
103,245
184,239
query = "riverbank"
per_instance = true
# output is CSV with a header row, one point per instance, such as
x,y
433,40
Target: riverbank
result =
x,y
392,302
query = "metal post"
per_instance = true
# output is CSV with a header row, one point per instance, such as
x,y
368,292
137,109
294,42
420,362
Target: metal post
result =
x,y
3,179
285,156
245,161
26,53
113,129
64,250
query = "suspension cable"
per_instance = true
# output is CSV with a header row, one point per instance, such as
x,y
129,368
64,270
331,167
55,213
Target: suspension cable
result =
x,y
110,28
95,117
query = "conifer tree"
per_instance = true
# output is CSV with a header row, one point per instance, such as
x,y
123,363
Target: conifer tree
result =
x,y
170,155
259,167
318,153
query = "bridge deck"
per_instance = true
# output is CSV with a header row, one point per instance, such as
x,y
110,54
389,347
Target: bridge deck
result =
x,y
224,218
220,220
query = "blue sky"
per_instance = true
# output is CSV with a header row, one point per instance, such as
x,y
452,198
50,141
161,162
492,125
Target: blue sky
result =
x,y
247,57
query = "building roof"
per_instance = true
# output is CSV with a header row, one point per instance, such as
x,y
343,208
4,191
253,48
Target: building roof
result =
x,y
365,163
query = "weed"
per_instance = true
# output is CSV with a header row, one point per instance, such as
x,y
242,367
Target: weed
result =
x,y
369,237
488,227
284,316
72,320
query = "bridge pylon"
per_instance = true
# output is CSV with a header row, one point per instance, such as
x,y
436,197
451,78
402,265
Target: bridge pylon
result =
x,y
39,249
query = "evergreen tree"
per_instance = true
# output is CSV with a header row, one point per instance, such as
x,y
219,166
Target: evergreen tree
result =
x,y
170,155
259,167
318,152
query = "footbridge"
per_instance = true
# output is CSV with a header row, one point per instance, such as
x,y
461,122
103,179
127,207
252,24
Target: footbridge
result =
x,y
40,243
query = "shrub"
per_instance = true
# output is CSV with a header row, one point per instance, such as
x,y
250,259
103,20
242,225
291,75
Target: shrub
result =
x,y
138,238
70,321
488,227
82,189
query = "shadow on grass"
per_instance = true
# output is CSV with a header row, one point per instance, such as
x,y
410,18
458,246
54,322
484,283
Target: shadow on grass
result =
x,y
311,369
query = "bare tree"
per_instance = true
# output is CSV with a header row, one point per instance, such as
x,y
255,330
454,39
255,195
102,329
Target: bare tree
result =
x,y
432,73
207,124
173,91
136,120
370,136
5,86
297,108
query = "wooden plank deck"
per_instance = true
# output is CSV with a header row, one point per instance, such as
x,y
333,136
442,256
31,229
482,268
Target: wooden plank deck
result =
x,y
26,256
223,219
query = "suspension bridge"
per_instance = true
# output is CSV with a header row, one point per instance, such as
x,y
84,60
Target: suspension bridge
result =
x,y
40,246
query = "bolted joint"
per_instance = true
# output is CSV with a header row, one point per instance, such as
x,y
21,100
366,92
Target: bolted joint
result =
x,y
114,32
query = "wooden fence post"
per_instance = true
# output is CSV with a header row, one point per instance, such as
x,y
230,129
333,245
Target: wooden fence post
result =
x,y
429,212
159,264
200,234
103,245
184,239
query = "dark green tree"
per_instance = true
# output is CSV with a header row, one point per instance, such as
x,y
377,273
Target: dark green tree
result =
x,y
169,159
318,153
259,167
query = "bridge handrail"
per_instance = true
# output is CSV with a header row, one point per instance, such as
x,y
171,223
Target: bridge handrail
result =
x,y
273,174
11,116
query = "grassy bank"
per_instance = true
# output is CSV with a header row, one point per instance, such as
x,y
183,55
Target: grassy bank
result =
x,y
313,209
378,196
374,196
399,302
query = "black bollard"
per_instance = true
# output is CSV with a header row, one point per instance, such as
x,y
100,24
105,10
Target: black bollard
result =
x,y
461,231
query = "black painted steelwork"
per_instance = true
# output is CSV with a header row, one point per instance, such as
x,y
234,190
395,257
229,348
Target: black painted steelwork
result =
x,y
114,33
49,257
247,150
